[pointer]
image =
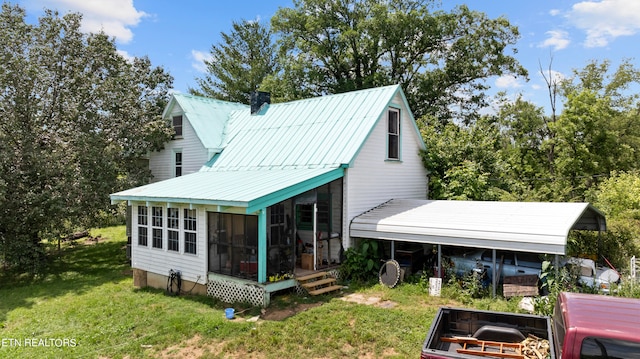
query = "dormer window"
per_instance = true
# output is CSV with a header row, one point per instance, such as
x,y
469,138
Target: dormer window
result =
x,y
177,126
393,134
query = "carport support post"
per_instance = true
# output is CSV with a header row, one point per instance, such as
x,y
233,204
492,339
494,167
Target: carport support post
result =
x,y
440,261
494,281
393,249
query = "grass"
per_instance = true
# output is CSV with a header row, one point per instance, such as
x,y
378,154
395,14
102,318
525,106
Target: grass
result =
x,y
87,307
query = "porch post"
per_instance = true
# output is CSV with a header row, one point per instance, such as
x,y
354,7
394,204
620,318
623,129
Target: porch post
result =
x,y
262,245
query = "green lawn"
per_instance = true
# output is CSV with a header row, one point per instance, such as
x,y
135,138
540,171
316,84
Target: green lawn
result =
x,y
88,308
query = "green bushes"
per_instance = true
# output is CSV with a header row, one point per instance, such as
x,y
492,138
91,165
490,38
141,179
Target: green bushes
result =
x,y
362,262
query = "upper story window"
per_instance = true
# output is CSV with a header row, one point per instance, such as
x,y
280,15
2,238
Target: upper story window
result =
x,y
178,164
393,134
177,126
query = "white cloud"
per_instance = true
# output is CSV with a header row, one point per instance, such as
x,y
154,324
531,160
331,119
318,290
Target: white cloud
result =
x,y
557,39
551,76
603,21
126,55
199,58
507,81
554,12
114,17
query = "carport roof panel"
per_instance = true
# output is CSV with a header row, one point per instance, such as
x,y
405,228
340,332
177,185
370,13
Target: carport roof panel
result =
x,y
524,226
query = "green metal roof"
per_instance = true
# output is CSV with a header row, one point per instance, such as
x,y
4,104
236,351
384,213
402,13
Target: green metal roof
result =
x,y
326,131
252,190
207,116
286,149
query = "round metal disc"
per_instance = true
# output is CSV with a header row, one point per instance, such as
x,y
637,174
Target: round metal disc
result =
x,y
390,273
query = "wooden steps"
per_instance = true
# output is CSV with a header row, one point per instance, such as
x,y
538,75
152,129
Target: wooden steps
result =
x,y
318,283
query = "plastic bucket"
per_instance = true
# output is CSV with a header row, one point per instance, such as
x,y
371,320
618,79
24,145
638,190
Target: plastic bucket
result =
x,y
229,312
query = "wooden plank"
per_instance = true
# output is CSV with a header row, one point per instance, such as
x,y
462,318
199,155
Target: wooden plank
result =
x,y
520,286
317,283
516,348
325,290
311,276
490,354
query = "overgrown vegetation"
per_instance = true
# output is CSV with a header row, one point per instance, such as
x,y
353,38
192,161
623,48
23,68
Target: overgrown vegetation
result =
x,y
362,262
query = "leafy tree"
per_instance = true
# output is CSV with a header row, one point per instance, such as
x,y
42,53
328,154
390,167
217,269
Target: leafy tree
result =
x,y
239,64
77,117
618,196
441,59
598,130
464,162
527,136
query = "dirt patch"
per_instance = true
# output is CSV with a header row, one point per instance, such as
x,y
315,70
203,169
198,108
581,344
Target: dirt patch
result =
x,y
190,349
369,300
277,314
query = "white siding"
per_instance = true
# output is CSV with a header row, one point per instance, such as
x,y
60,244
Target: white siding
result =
x,y
160,261
194,155
372,180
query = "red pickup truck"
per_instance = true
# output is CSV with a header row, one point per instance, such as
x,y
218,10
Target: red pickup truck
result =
x,y
583,326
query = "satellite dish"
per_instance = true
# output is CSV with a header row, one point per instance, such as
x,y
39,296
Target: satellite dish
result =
x,y
390,273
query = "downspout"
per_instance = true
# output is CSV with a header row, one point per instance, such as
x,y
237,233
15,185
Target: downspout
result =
x,y
262,245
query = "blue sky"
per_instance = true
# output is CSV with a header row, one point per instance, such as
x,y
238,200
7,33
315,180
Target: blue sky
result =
x,y
178,35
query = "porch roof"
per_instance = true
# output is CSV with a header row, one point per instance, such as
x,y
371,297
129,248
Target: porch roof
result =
x,y
249,189
517,226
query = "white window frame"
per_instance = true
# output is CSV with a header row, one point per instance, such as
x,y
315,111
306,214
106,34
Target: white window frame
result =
x,y
393,133
178,165
143,225
173,228
155,228
181,126
190,230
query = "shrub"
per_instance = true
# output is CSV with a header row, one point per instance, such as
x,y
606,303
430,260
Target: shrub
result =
x,y
362,262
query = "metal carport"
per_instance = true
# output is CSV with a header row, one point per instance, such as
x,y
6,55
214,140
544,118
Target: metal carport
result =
x,y
539,227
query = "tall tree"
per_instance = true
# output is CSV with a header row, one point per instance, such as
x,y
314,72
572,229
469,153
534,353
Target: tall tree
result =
x,y
439,58
77,117
464,162
526,133
598,131
239,64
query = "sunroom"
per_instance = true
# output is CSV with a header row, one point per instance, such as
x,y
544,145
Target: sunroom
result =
x,y
282,224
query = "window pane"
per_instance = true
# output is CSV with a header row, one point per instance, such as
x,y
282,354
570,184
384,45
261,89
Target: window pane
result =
x,y
393,147
142,236
189,219
190,242
157,238
178,165
393,122
156,217
173,241
177,125
142,216
173,220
